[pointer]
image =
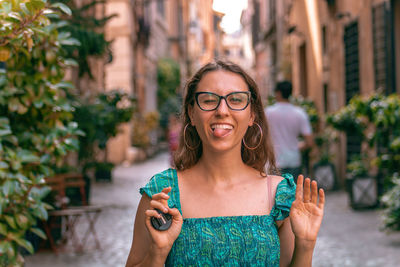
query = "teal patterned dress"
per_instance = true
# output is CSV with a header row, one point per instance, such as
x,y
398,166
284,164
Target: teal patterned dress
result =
x,y
250,240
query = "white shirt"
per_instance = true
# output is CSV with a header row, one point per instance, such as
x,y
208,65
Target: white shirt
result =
x,y
286,123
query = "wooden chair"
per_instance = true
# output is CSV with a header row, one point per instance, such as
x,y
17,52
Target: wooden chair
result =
x,y
70,216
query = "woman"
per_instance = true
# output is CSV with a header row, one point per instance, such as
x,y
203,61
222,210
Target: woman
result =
x,y
226,208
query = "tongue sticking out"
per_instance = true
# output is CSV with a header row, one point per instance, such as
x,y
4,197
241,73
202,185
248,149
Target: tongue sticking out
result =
x,y
218,132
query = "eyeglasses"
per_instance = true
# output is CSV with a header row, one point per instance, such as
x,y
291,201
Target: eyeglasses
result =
x,y
208,101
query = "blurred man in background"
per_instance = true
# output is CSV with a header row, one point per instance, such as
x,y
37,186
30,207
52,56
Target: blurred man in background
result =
x,y
287,123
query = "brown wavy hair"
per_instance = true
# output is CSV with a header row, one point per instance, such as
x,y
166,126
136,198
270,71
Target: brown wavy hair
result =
x,y
190,147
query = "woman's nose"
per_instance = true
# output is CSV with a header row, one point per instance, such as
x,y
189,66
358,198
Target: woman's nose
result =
x,y
223,107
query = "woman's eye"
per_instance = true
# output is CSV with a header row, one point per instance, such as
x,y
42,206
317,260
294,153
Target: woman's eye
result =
x,y
236,100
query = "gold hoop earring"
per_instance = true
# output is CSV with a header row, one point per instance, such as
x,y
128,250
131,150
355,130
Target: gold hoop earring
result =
x,y
259,142
184,139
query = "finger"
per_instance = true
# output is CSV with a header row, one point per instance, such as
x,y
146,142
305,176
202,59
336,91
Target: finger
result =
x,y
321,201
149,214
299,188
160,196
176,215
314,192
307,190
163,195
158,205
152,213
166,190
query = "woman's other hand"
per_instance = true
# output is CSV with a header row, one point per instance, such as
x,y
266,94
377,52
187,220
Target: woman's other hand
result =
x,y
163,240
307,211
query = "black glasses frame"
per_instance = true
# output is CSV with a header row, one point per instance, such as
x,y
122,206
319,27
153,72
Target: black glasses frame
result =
x,y
248,93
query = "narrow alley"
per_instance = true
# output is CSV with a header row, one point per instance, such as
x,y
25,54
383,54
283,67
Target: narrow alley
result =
x,y
347,238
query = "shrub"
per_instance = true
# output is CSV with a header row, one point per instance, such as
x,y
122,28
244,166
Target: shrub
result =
x,y
99,119
168,81
36,127
377,120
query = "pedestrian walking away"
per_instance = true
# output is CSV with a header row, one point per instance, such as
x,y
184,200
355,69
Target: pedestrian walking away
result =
x,y
287,123
220,205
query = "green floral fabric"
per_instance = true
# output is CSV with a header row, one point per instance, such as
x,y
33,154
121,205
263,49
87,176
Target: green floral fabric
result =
x,y
250,240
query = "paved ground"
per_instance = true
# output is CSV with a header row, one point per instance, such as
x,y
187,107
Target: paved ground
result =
x,y
115,225
347,238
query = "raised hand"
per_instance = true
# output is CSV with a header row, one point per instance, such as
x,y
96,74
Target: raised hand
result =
x,y
307,211
163,239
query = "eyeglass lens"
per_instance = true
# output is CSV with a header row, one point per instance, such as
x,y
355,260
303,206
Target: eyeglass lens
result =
x,y
211,101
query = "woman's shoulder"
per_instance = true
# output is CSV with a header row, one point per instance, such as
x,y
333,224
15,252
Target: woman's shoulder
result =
x,y
284,195
275,179
157,182
167,174
280,180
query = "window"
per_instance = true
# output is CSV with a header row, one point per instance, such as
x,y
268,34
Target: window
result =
x,y
256,23
303,70
324,43
382,47
326,95
352,81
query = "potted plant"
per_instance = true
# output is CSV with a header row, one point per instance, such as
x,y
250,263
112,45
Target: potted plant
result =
x,y
362,187
103,171
99,120
323,169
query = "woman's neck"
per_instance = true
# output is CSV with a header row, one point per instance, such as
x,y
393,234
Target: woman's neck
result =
x,y
221,168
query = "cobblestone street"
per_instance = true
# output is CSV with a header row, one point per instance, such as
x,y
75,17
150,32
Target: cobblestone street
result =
x,y
347,238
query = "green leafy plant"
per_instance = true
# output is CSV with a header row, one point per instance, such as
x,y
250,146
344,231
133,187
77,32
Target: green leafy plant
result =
x,y
88,28
99,119
358,167
168,80
351,118
391,200
36,126
323,140
377,120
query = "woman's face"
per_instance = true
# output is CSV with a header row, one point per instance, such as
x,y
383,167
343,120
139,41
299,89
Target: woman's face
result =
x,y
222,128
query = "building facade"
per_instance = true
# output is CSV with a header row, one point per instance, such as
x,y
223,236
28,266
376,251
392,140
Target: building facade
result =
x,y
342,49
269,23
146,31
331,50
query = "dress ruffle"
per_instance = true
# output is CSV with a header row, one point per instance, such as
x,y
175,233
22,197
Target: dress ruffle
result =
x,y
285,195
160,181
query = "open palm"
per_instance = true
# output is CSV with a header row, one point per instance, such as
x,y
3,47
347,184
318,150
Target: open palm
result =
x,y
307,211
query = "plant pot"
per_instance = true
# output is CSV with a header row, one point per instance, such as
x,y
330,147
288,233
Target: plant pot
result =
x,y
103,171
363,192
325,175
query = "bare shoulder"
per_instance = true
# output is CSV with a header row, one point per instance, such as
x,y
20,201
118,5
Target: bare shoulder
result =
x,y
275,179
